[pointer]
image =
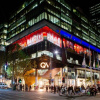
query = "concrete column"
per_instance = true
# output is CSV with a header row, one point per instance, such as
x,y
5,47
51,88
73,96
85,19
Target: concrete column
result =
x,y
61,75
76,77
67,76
99,75
36,77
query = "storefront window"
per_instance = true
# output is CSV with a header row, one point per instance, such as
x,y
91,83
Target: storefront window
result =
x,y
58,57
81,73
40,53
42,72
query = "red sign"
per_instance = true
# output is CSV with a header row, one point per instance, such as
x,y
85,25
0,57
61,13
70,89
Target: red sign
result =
x,y
30,39
54,38
39,36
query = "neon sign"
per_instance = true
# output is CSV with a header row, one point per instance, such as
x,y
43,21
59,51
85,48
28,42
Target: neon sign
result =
x,y
39,36
54,39
44,65
35,39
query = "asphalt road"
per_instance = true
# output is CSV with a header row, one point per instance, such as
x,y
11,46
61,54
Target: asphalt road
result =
x,y
39,95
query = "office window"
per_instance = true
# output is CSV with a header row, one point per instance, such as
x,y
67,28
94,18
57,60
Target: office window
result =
x,y
85,25
85,31
66,19
98,44
85,37
66,26
77,32
92,41
42,16
92,35
76,25
84,19
76,12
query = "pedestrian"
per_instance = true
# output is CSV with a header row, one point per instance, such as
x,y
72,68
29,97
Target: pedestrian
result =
x,y
20,87
23,87
59,90
51,89
26,87
54,89
30,88
46,88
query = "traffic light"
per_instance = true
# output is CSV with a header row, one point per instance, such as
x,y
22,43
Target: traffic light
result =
x,y
19,80
63,79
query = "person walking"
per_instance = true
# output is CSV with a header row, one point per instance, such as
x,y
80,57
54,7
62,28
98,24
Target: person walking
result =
x,y
54,89
30,88
59,90
20,87
46,88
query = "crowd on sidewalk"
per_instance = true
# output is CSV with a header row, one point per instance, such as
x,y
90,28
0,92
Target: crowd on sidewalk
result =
x,y
74,90
20,87
70,90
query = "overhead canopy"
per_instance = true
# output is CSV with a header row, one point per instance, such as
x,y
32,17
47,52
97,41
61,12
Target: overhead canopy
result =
x,y
52,72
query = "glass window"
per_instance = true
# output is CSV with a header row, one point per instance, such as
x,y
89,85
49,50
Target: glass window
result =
x,y
84,19
85,37
66,19
76,25
98,44
66,26
42,16
92,41
77,32
92,35
84,25
58,57
76,12
85,31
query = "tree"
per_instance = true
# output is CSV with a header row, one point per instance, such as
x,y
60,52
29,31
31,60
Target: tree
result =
x,y
2,60
18,62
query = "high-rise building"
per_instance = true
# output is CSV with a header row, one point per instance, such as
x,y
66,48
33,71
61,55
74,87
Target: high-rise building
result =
x,y
3,36
95,14
43,26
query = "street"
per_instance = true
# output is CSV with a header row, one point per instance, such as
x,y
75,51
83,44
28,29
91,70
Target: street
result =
x,y
39,95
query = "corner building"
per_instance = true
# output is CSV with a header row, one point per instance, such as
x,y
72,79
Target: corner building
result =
x,y
42,27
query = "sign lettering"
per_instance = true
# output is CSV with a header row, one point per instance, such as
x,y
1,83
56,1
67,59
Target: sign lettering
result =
x,y
44,65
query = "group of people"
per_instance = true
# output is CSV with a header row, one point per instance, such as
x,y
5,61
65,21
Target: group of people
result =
x,y
74,90
20,87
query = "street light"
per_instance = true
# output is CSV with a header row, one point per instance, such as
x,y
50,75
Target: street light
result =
x,y
56,52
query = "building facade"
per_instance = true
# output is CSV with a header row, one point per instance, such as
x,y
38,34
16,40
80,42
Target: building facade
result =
x,y
95,14
45,26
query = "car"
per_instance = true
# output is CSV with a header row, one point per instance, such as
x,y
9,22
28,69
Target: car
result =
x,y
3,85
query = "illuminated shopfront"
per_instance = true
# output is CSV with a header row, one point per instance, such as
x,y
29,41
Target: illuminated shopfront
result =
x,y
50,66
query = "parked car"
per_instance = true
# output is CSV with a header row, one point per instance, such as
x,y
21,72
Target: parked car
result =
x,y
3,85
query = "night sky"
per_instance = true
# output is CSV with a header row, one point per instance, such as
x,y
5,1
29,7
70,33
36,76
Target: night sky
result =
x,y
6,6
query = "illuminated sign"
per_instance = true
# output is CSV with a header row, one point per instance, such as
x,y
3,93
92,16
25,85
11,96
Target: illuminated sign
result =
x,y
76,39
54,39
31,39
44,65
77,48
39,36
35,39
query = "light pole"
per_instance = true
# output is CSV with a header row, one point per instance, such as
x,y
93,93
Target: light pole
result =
x,y
56,52
61,69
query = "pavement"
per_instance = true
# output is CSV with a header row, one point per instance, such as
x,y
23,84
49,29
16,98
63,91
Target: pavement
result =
x,y
7,94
